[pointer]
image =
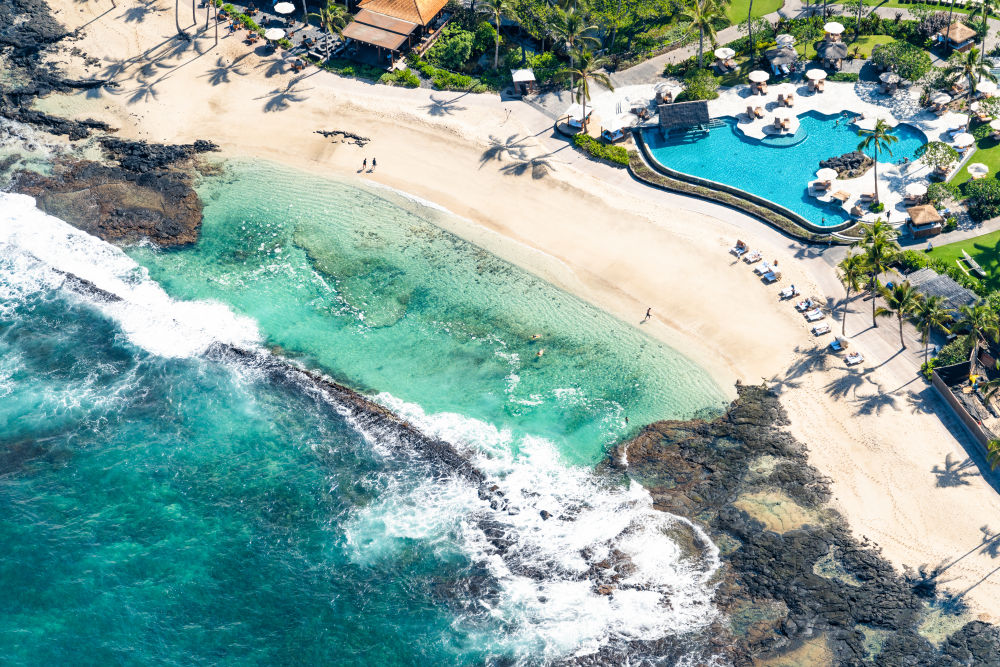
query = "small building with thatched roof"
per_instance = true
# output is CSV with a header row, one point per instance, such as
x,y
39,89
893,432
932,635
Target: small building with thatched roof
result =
x,y
924,221
930,283
683,114
957,36
832,53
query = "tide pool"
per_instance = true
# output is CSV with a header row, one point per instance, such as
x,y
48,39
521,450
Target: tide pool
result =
x,y
375,295
780,170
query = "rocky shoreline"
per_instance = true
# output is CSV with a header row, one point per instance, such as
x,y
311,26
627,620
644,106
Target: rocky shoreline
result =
x,y
142,191
795,585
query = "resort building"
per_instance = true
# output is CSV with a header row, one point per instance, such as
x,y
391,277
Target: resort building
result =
x,y
387,28
957,36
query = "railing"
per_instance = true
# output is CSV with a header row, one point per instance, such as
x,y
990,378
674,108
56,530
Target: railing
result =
x,y
735,192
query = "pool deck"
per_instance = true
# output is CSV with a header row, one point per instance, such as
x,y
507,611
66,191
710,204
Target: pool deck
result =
x,y
860,98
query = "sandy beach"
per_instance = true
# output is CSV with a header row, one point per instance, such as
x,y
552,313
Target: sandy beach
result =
x,y
893,453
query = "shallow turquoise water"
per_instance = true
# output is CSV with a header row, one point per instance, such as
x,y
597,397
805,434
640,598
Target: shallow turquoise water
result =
x,y
387,302
161,507
780,173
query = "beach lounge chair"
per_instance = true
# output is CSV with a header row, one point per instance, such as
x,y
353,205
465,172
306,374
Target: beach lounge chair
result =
x,y
836,345
762,269
855,358
856,212
739,248
820,329
754,256
803,306
814,315
866,197
785,70
788,293
772,277
822,185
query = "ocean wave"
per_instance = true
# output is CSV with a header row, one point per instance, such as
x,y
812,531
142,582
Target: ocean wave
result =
x,y
37,251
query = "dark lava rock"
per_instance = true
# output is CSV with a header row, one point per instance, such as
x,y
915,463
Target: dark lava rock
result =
x,y
141,156
699,468
118,205
74,129
849,165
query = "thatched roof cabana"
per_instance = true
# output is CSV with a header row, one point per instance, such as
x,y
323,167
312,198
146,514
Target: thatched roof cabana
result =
x,y
683,114
781,56
925,214
832,51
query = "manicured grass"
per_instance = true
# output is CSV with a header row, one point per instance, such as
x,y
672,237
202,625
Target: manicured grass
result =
x,y
984,249
865,45
987,152
941,8
737,11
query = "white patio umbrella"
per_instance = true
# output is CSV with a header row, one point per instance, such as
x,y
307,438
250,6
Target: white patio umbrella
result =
x,y
785,39
758,76
724,53
941,98
284,8
995,124
889,77
816,74
833,28
964,139
916,189
274,34
978,169
826,174
959,119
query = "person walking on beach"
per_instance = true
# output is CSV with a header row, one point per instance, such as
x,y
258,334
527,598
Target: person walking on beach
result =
x,y
364,164
649,314
374,164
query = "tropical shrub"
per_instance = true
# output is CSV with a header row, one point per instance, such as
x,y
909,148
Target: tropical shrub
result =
x,y
484,38
938,154
910,62
544,65
401,77
843,76
601,150
984,198
453,49
877,207
933,24
938,192
700,84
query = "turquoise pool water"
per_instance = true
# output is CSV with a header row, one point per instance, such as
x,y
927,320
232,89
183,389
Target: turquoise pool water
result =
x,y
778,170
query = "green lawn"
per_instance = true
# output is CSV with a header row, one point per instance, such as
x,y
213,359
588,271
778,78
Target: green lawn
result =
x,y
941,8
737,10
984,249
865,45
987,152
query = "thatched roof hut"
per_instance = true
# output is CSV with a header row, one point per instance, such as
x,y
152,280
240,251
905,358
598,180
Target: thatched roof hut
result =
x,y
929,283
781,56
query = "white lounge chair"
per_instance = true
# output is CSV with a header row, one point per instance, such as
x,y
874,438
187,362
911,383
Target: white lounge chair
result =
x,y
855,358
788,293
821,329
814,315
739,250
762,269
754,256
803,306
836,346
772,277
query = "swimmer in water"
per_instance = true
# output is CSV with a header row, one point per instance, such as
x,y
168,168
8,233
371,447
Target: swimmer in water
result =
x,y
536,336
540,353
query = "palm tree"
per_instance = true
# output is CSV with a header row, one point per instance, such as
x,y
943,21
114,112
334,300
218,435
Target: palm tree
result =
x,y
574,31
497,10
704,15
878,242
177,19
931,314
983,325
582,72
969,66
878,139
993,453
332,20
900,301
850,271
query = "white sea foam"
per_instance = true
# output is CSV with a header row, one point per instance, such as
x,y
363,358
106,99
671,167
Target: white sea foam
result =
x,y
667,591
35,247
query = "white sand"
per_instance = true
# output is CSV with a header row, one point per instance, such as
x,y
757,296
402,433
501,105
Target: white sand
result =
x,y
595,232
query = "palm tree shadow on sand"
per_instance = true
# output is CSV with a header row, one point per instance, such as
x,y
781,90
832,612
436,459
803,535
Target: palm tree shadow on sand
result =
x,y
499,148
954,473
140,12
222,71
443,107
538,167
280,99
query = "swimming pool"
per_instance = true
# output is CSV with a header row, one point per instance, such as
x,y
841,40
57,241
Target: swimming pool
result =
x,y
778,168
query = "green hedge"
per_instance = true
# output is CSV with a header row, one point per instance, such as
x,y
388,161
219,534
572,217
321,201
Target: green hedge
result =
x,y
843,76
401,77
616,155
442,79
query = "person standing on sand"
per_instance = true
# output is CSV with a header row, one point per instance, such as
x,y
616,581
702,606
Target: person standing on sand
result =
x,y
374,164
649,314
364,164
